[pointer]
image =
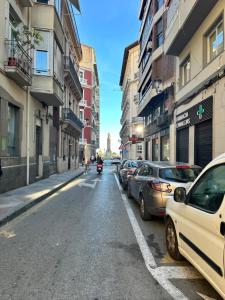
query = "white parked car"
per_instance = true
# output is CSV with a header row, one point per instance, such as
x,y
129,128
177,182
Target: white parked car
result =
x,y
195,224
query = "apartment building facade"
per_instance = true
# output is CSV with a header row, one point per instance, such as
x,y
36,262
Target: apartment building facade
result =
x,y
90,103
195,36
131,133
70,124
156,81
31,90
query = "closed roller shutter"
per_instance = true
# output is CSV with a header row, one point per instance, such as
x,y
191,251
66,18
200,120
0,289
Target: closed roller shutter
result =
x,y
203,143
183,145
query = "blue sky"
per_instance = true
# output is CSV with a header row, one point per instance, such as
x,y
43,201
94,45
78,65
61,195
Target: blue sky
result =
x,y
109,26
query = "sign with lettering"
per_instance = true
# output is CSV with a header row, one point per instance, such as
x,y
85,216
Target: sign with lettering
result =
x,y
196,114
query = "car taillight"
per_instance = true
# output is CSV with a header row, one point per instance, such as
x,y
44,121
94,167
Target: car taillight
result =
x,y
160,186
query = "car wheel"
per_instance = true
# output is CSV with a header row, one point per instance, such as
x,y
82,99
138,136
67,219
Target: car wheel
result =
x,y
171,241
124,185
120,180
129,195
145,215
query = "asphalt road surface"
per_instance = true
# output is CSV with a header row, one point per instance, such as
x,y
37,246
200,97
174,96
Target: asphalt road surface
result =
x,y
87,241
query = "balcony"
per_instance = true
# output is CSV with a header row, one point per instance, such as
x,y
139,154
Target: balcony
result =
x,y
18,64
72,77
71,120
150,93
137,120
83,103
47,89
184,19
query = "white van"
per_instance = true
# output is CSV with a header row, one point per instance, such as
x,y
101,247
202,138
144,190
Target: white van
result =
x,y
195,224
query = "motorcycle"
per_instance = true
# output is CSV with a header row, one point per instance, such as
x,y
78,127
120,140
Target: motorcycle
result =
x,y
99,168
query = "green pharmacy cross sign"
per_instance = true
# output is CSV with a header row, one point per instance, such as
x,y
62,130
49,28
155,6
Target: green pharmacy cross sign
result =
x,y
200,111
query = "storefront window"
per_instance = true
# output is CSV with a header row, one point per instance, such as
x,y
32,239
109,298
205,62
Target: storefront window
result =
x,y
165,148
12,132
155,149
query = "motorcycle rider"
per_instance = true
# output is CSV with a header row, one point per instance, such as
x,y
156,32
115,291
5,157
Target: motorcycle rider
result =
x,y
99,160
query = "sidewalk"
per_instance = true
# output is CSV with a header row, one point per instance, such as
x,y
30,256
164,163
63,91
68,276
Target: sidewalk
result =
x,y
15,202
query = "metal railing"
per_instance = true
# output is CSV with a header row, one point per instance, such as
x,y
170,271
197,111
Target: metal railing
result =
x,y
69,115
18,57
83,103
69,66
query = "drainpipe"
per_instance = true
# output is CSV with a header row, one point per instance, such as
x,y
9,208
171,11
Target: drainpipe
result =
x,y
28,117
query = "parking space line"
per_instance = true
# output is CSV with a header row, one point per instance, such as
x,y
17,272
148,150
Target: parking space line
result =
x,y
160,274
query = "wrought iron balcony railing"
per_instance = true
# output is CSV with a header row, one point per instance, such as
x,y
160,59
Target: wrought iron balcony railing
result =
x,y
18,64
69,115
70,69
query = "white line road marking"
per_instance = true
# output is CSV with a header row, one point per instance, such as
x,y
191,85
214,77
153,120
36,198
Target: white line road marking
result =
x,y
146,253
161,274
96,180
7,234
179,272
89,185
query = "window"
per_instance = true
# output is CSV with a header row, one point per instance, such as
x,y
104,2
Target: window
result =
x,y
158,4
41,54
186,71
81,75
165,148
14,23
12,129
181,175
58,63
43,1
139,149
155,149
159,33
215,42
41,62
145,170
209,191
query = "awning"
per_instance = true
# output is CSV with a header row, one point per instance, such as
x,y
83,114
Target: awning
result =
x,y
76,3
152,103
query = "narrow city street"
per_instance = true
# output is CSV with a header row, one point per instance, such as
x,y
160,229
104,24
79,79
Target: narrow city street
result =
x,y
84,243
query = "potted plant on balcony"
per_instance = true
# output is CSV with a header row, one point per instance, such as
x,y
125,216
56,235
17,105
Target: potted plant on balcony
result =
x,y
23,41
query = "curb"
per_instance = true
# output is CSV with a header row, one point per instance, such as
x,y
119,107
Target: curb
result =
x,y
27,206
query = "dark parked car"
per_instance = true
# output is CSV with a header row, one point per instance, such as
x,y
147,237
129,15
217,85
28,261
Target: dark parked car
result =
x,y
153,184
129,168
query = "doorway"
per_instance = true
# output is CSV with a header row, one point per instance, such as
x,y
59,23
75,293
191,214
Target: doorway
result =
x,y
38,148
203,143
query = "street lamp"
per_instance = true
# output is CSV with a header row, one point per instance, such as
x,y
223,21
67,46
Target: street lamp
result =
x,y
139,129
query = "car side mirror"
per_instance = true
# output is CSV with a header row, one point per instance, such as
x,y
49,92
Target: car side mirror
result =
x,y
180,195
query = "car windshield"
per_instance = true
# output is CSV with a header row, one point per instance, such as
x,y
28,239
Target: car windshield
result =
x,y
133,164
179,174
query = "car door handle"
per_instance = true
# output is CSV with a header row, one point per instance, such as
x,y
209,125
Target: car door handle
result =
x,y
222,228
